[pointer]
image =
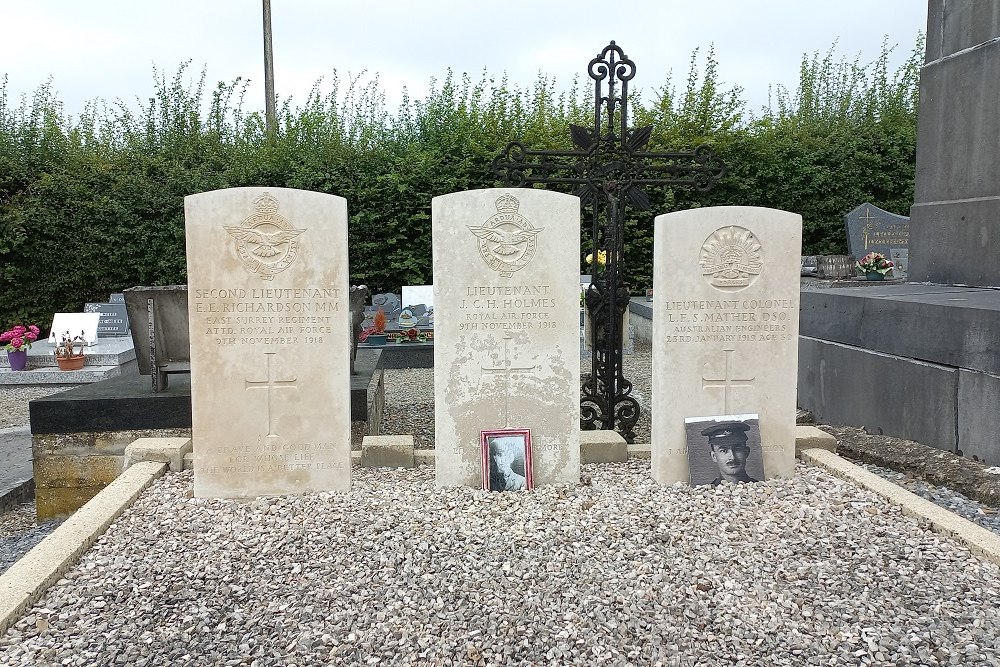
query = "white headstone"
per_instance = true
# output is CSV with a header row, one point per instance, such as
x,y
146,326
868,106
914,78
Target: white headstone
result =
x,y
268,312
414,295
506,346
76,324
725,328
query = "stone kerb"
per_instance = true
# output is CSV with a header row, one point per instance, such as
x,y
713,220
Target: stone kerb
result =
x,y
268,316
725,329
506,330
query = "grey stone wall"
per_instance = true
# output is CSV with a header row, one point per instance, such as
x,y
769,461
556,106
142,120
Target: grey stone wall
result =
x,y
955,218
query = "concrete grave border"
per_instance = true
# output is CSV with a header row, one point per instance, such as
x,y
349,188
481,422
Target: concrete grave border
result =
x,y
27,579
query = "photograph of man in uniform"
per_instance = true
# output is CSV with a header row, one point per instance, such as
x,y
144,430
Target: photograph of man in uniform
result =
x,y
724,449
506,458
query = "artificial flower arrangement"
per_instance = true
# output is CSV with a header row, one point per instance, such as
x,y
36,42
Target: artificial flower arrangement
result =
x,y
412,336
19,338
874,262
377,328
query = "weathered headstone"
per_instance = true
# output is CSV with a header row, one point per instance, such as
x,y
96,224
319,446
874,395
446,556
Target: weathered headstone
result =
x,y
269,322
506,327
870,229
725,329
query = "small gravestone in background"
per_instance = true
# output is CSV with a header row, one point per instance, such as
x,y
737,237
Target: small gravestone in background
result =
x,y
268,308
870,229
114,318
118,297
506,326
390,303
725,329
75,324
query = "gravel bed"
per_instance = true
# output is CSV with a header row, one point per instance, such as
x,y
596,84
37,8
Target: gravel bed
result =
x,y
617,570
19,533
983,515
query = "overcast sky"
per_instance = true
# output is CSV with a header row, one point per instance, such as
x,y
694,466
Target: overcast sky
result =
x,y
106,49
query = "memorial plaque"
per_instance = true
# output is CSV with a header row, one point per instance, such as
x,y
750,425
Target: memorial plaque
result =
x,y
75,324
114,318
269,325
506,349
725,329
870,229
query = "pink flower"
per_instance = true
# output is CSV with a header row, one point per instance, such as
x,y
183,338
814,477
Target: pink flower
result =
x,y
33,329
17,342
6,336
19,329
31,335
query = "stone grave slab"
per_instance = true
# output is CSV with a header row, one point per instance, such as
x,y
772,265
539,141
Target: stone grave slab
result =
x,y
506,351
725,329
869,229
269,323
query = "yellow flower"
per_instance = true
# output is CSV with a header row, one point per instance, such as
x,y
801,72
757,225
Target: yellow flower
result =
x,y
602,257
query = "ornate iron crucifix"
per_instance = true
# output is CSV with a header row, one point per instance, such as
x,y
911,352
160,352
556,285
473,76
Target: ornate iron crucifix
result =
x,y
609,169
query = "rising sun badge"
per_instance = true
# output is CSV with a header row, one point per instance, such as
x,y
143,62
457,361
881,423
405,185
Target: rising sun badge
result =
x,y
266,242
730,258
507,239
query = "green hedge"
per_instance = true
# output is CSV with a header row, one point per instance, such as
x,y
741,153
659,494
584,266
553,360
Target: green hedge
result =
x,y
94,204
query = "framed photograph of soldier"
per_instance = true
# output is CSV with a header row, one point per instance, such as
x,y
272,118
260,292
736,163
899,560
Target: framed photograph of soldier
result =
x,y
724,448
506,459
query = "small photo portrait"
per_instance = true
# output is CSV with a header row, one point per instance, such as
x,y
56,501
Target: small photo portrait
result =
x,y
506,459
724,448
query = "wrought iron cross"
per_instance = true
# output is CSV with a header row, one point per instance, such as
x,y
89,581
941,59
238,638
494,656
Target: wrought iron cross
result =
x,y
609,170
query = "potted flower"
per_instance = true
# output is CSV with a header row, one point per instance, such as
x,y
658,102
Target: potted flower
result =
x,y
377,337
874,266
69,352
17,341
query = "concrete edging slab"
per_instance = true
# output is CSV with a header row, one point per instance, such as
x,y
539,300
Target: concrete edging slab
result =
x,y
27,579
979,540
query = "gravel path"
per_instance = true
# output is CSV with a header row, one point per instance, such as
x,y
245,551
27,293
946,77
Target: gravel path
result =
x,y
806,571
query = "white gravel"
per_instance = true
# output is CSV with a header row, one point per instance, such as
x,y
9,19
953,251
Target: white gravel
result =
x,y
615,571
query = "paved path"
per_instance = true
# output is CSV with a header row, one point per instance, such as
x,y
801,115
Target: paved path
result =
x,y
15,460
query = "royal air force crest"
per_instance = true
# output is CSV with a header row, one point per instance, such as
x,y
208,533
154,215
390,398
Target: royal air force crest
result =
x,y
266,242
506,240
730,258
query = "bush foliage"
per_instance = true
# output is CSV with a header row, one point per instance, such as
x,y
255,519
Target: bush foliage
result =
x,y
94,204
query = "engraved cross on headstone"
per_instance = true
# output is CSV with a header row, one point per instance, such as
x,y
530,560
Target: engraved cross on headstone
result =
x,y
271,383
867,218
507,368
609,169
727,382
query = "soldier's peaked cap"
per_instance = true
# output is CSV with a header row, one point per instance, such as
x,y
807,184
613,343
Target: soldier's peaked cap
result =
x,y
726,432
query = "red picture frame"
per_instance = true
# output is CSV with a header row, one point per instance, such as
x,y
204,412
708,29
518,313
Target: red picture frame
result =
x,y
506,453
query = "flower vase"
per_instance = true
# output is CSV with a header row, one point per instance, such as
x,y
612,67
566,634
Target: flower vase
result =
x,y
376,339
874,275
18,359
